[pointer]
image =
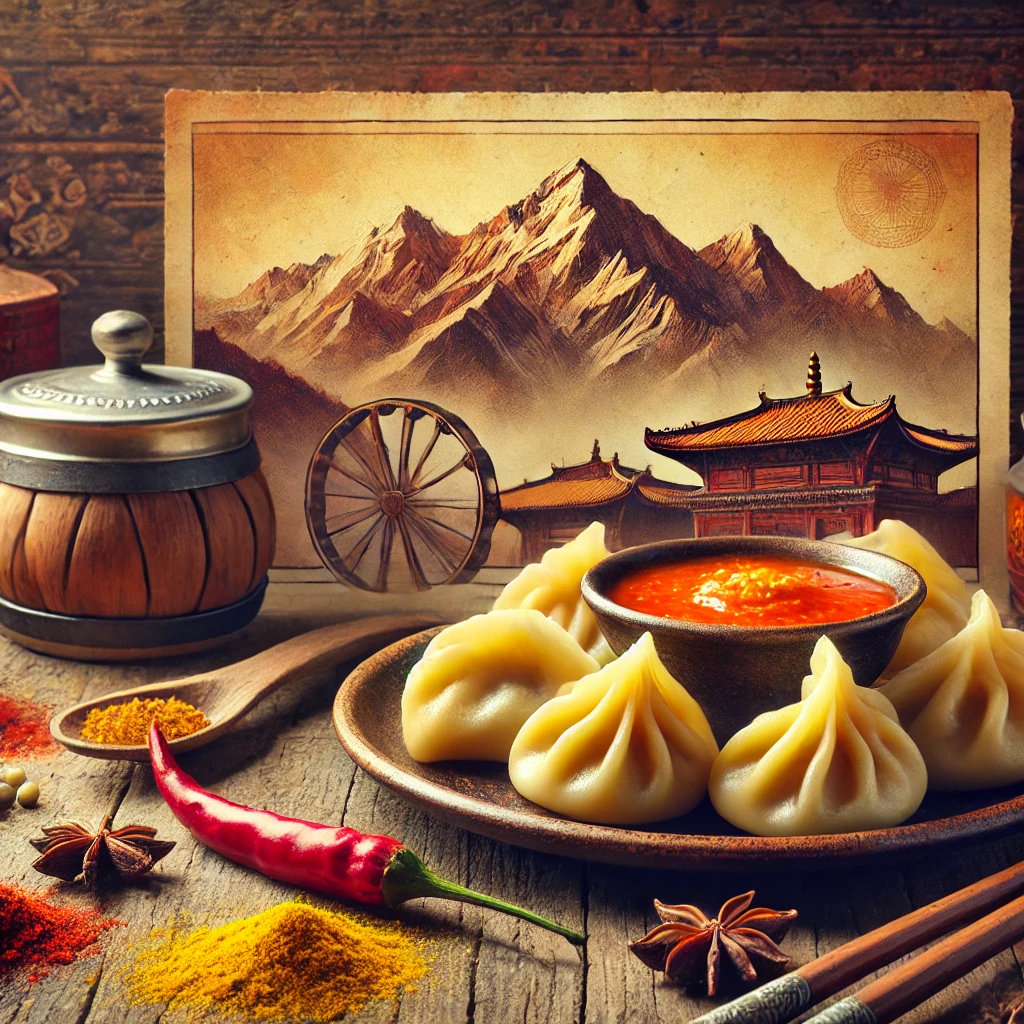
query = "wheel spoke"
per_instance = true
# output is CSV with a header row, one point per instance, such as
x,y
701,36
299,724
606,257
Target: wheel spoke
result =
x,y
383,455
461,464
425,454
359,481
376,484
442,557
437,522
374,500
387,539
361,546
408,426
361,517
436,544
413,560
459,505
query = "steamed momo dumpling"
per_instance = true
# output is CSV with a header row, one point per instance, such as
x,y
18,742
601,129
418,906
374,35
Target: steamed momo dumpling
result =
x,y
624,746
552,586
944,611
479,680
838,761
963,705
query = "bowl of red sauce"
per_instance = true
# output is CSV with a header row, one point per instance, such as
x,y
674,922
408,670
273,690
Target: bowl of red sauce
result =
x,y
735,619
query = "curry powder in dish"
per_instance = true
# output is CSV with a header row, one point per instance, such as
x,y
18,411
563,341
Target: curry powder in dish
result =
x,y
292,962
128,724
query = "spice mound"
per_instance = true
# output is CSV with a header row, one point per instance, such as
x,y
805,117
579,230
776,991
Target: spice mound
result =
x,y
25,729
128,724
36,936
292,962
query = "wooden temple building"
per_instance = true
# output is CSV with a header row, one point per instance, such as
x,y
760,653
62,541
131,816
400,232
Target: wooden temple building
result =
x,y
633,505
821,463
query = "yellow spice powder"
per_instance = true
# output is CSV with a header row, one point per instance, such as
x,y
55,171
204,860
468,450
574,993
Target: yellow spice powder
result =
x,y
292,962
129,723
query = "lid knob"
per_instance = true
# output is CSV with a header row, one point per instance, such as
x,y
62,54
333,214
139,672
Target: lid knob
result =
x,y
124,338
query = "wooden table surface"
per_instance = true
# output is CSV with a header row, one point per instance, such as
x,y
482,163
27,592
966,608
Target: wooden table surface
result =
x,y
487,968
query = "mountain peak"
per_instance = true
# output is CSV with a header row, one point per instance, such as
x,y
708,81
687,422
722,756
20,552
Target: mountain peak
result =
x,y
752,234
574,185
276,276
415,237
867,293
866,281
294,268
752,238
954,330
867,278
579,164
748,257
576,178
410,222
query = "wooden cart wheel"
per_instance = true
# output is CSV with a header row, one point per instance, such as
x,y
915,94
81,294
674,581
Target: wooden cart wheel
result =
x,y
401,496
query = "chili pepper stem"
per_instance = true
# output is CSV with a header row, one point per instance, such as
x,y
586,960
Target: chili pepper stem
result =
x,y
407,877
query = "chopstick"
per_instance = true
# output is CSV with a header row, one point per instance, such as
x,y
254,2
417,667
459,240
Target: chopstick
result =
x,y
787,997
904,987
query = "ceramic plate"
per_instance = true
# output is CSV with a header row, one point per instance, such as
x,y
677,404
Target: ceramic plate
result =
x,y
478,796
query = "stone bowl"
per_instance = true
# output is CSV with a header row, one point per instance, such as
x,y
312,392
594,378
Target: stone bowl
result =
x,y
737,672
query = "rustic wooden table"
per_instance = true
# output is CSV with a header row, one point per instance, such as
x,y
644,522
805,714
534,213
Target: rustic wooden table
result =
x,y
488,968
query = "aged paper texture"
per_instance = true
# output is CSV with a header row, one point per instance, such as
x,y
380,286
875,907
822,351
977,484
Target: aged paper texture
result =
x,y
477,323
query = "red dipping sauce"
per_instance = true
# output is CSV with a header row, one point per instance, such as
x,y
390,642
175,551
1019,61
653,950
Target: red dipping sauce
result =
x,y
752,590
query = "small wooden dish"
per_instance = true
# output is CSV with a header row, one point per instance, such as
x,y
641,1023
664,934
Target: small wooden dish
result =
x,y
479,797
226,694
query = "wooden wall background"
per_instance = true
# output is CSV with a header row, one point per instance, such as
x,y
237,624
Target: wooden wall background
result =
x,y
82,85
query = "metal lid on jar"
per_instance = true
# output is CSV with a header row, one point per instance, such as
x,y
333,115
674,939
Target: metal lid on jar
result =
x,y
124,426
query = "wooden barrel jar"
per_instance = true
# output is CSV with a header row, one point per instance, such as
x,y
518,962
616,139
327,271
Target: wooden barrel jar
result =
x,y
134,518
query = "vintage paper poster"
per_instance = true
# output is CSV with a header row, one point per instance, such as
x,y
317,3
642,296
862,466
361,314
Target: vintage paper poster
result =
x,y
476,324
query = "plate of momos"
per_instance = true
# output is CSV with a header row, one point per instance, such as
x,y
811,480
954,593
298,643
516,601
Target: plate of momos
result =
x,y
521,724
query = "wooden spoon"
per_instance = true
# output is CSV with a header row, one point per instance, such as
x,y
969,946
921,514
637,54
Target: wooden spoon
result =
x,y
225,694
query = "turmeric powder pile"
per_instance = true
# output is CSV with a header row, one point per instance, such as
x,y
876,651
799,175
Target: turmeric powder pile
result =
x,y
129,723
292,962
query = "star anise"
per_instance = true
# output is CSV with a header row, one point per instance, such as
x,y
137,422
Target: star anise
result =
x,y
77,853
688,946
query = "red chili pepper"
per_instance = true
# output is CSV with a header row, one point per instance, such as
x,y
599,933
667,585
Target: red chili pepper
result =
x,y
339,862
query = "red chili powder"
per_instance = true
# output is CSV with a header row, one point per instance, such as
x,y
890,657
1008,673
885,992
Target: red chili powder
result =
x,y
36,936
25,729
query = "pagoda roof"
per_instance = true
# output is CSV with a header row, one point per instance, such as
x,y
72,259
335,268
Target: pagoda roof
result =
x,y
653,491
553,493
586,485
807,417
592,484
940,439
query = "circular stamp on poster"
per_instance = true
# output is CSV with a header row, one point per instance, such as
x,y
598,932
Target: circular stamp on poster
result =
x,y
890,193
